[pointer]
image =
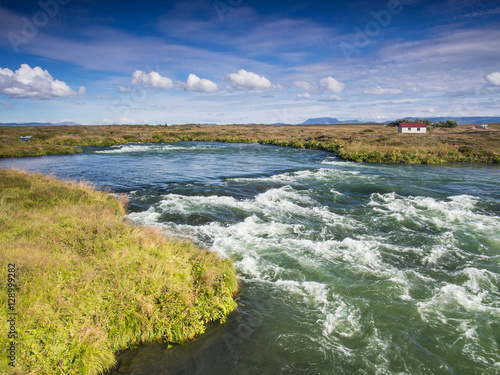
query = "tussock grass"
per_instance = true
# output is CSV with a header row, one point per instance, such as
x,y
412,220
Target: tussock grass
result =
x,y
88,284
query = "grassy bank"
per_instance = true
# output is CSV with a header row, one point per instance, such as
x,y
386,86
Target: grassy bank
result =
x,y
88,284
369,143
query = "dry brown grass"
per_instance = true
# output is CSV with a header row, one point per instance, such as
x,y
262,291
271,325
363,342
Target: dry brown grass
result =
x,y
353,142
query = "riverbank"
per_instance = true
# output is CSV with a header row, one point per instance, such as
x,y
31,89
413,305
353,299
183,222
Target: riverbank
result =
x,y
85,284
361,143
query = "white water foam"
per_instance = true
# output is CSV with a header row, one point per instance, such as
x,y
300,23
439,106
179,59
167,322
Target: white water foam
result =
x,y
442,212
148,148
321,174
285,224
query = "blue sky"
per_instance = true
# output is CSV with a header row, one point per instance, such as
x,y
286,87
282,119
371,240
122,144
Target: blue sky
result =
x,y
247,61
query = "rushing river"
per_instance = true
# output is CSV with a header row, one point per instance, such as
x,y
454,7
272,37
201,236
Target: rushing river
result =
x,y
345,268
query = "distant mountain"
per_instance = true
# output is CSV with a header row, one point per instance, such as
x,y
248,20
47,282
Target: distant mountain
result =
x,y
326,120
39,123
460,120
68,123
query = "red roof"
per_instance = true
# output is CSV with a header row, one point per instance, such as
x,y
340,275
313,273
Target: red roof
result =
x,y
412,125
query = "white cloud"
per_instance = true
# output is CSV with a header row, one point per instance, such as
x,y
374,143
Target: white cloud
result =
x,y
153,80
481,13
194,83
333,98
494,78
306,95
126,89
303,85
34,83
263,35
380,91
466,48
248,80
126,120
104,96
331,84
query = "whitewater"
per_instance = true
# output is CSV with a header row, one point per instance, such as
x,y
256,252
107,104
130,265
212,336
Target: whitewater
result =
x,y
345,268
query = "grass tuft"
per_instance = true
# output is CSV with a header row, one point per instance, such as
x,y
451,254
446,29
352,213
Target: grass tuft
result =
x,y
88,284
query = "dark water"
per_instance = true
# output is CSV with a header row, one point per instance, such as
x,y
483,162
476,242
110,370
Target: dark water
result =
x,y
346,268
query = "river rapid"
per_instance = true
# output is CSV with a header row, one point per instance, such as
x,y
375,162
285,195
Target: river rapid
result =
x,y
345,268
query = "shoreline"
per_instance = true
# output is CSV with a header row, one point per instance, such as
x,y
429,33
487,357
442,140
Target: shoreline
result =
x,y
359,143
89,285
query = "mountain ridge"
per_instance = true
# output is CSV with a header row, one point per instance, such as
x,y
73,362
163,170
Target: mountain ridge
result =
x,y
472,120
461,120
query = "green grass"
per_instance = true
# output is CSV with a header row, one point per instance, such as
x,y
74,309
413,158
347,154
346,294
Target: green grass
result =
x,y
88,284
364,143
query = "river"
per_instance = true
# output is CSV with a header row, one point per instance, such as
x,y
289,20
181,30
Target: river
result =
x,y
345,268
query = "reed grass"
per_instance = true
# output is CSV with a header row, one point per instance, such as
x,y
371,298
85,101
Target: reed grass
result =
x,y
89,284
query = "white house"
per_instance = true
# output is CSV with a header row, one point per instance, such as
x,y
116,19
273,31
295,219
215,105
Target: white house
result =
x,y
412,127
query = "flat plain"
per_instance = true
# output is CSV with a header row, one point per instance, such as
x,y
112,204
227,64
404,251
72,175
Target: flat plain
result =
x,y
354,142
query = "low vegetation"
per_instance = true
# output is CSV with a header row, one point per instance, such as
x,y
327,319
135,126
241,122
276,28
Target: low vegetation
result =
x,y
367,142
430,124
87,284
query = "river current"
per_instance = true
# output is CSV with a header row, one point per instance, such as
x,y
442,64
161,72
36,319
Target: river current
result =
x,y
345,268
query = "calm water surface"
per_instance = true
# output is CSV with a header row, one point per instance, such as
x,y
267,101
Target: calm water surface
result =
x,y
346,268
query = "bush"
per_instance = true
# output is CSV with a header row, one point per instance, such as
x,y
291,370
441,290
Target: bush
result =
x,y
447,124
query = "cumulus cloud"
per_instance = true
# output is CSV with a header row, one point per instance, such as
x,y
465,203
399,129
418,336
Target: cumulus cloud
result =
x,y
306,95
194,83
303,85
494,78
332,85
380,91
34,83
248,81
153,80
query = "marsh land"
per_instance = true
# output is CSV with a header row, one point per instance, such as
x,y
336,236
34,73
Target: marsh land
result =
x,y
364,143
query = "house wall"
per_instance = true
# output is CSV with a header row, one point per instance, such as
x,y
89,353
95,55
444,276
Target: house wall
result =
x,y
412,130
